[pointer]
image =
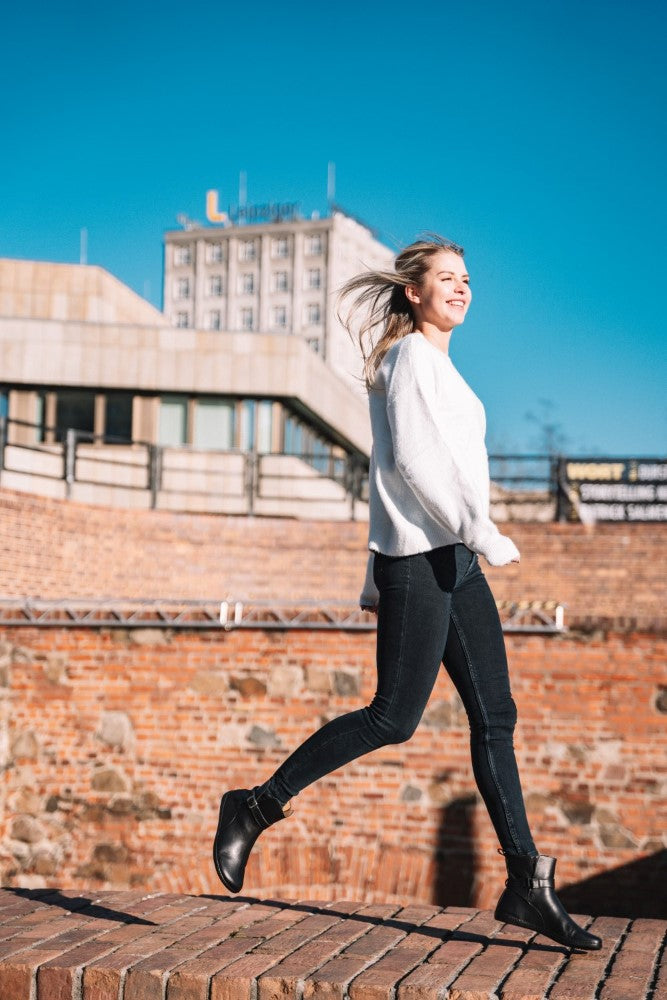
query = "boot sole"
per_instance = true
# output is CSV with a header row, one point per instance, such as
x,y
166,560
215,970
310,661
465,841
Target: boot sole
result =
x,y
509,919
221,876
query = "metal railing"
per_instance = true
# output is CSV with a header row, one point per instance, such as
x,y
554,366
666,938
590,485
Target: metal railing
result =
x,y
243,478
240,481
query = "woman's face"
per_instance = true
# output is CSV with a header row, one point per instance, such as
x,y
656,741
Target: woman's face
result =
x,y
444,295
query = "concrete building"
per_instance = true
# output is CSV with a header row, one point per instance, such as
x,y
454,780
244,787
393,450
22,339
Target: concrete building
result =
x,y
184,419
271,277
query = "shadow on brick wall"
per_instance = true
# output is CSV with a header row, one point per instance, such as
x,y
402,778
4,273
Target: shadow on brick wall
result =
x,y
633,890
455,854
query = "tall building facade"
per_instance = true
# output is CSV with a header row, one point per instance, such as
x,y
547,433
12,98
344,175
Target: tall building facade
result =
x,y
271,277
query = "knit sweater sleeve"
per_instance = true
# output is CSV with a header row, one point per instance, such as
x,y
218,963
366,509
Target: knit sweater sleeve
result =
x,y
426,461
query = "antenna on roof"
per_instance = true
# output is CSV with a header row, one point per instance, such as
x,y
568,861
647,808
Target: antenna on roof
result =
x,y
83,246
331,185
243,193
184,220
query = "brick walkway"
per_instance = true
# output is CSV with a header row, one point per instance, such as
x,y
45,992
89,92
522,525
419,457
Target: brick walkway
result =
x,y
60,945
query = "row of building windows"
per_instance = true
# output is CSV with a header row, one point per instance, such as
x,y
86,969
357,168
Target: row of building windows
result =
x,y
207,422
248,424
247,283
265,426
281,246
247,318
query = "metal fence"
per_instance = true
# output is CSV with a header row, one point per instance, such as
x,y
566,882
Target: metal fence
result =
x,y
230,480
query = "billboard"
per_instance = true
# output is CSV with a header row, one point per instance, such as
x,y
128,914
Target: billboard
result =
x,y
612,489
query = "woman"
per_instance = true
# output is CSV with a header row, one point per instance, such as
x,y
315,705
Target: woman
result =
x,y
429,522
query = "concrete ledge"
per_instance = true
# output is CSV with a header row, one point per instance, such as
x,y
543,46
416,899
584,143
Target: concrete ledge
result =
x,y
61,945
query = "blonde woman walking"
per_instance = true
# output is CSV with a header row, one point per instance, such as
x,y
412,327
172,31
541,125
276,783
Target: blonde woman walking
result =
x,y
429,524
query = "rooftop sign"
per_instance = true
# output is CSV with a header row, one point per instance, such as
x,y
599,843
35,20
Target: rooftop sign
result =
x,y
272,211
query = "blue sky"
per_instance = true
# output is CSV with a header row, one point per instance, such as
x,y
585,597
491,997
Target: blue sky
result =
x,y
531,132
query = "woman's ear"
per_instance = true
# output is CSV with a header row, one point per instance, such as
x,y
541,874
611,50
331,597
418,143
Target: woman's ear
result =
x,y
412,294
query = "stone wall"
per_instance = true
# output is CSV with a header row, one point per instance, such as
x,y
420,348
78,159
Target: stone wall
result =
x,y
117,745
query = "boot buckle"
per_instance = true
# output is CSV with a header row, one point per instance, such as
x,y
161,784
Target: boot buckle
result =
x,y
255,811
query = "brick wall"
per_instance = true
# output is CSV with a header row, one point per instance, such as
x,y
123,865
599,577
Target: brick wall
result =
x,y
54,549
116,745
119,744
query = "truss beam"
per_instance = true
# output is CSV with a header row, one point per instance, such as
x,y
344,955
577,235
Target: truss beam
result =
x,y
516,616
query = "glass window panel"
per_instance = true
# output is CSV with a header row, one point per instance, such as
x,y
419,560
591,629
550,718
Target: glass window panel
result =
x,y
119,416
182,255
76,410
247,429
214,424
264,424
173,420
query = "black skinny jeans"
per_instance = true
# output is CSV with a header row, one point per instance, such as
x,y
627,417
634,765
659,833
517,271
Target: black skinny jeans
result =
x,y
435,607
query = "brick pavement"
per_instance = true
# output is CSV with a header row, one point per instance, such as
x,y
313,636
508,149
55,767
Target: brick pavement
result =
x,y
63,945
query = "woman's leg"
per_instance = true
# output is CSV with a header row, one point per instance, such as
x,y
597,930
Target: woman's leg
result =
x,y
477,663
476,660
413,618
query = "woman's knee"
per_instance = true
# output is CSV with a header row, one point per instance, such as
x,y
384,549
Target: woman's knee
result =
x,y
497,719
388,730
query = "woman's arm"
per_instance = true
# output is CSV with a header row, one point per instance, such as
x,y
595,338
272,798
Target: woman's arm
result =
x,y
370,596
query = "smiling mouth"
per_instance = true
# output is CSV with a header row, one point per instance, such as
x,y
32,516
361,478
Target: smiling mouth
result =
x,y
457,303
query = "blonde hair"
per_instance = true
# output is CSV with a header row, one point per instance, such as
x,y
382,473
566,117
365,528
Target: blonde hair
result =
x,y
382,295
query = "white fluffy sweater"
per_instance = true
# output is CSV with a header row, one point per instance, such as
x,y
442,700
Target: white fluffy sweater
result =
x,y
429,470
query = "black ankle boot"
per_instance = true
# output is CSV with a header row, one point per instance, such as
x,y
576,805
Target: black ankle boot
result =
x,y
243,815
529,900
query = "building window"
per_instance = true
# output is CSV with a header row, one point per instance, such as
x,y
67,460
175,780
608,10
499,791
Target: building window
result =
x,y
313,277
214,320
314,245
215,285
182,255
293,435
264,426
182,320
173,420
280,317
247,250
280,283
118,418
4,403
280,247
246,319
182,288
214,253
74,410
247,283
214,423
247,425
314,344
313,314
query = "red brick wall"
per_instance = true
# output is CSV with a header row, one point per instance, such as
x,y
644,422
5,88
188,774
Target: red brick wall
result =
x,y
120,743
89,794
53,549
